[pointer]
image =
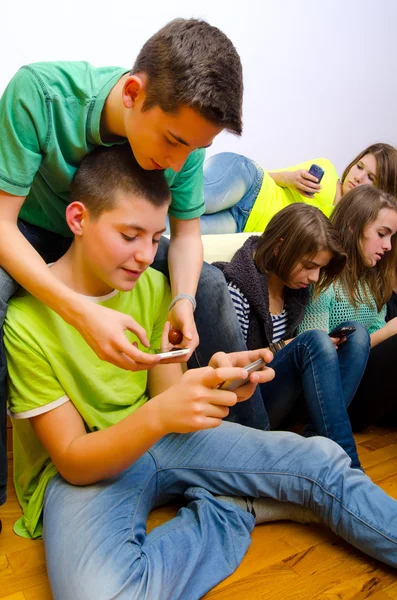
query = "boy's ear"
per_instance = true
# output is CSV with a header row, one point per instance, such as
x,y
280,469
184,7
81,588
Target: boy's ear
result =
x,y
133,89
76,212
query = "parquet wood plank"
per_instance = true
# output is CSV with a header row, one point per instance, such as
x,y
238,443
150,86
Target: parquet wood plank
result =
x,y
348,592
375,457
391,590
17,596
39,592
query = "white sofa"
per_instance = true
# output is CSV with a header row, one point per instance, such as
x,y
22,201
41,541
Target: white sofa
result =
x,y
223,246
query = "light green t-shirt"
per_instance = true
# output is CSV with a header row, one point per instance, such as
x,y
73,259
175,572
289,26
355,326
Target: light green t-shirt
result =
x,y
50,117
272,197
50,363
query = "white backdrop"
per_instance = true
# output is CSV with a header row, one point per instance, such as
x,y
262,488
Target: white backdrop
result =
x,y
320,75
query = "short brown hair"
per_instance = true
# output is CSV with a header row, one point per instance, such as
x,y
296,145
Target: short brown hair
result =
x,y
191,63
107,170
359,208
296,231
386,166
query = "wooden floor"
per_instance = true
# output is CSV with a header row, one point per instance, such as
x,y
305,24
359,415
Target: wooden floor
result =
x,y
286,561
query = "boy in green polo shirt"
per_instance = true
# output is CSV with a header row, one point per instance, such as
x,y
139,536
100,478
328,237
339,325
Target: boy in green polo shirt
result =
x,y
184,88
93,454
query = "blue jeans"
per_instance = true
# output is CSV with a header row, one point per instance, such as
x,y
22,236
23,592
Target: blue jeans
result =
x,y
95,536
219,330
328,379
231,186
50,246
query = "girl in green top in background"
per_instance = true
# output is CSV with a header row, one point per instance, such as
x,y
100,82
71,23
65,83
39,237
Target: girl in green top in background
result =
x,y
366,220
241,196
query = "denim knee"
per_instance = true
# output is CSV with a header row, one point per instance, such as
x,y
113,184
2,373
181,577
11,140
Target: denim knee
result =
x,y
316,339
360,336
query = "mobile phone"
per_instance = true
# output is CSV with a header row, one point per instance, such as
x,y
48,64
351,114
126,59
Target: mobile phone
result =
x,y
317,172
341,332
231,385
171,353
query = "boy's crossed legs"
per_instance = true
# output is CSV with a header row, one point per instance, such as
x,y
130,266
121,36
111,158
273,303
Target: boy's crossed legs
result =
x,y
101,528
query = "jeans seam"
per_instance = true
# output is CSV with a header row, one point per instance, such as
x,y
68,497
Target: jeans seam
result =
x,y
319,484
155,474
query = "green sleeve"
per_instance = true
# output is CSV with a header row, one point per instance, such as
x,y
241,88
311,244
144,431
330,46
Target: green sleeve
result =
x,y
318,312
187,188
24,132
32,381
161,311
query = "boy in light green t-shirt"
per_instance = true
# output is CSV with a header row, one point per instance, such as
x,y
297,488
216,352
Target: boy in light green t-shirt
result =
x,y
93,454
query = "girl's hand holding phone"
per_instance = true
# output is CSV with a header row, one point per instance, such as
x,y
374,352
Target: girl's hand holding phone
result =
x,y
304,182
338,335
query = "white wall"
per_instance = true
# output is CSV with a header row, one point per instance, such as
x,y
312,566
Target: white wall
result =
x,y
320,75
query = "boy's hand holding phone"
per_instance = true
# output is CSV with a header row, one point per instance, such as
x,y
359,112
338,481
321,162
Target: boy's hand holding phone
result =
x,y
197,400
254,364
168,353
182,319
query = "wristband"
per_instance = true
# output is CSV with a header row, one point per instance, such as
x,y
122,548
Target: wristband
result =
x,y
276,346
183,297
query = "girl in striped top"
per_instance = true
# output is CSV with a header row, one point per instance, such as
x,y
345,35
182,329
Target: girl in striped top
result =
x,y
269,280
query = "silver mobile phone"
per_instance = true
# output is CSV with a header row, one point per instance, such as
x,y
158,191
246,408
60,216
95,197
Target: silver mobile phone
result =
x,y
171,353
231,385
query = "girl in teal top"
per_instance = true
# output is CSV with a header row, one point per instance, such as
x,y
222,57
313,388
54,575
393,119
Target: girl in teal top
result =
x,y
366,219
241,196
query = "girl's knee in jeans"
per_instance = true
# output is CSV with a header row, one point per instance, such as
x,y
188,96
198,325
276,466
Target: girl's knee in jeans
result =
x,y
360,336
317,339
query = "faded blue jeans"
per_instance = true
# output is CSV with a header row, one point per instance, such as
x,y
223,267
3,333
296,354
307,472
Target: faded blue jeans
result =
x,y
95,537
327,378
231,186
50,246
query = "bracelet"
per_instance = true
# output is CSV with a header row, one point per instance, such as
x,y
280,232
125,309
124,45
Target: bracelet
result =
x,y
276,346
183,297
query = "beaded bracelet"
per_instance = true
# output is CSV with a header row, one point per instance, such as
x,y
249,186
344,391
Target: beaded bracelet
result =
x,y
276,346
183,297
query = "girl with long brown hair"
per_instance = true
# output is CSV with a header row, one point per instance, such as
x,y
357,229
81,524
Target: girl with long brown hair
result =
x,y
366,220
269,280
240,195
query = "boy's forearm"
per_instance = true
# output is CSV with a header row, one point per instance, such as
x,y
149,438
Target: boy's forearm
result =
x,y
185,259
96,456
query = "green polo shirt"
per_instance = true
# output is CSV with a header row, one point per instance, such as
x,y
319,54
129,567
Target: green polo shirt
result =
x,y
50,117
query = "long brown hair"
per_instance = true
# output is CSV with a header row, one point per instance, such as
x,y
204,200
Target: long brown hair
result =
x,y
386,166
297,231
359,208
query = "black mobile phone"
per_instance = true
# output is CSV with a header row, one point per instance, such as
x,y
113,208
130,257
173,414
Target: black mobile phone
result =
x,y
318,172
236,383
341,332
